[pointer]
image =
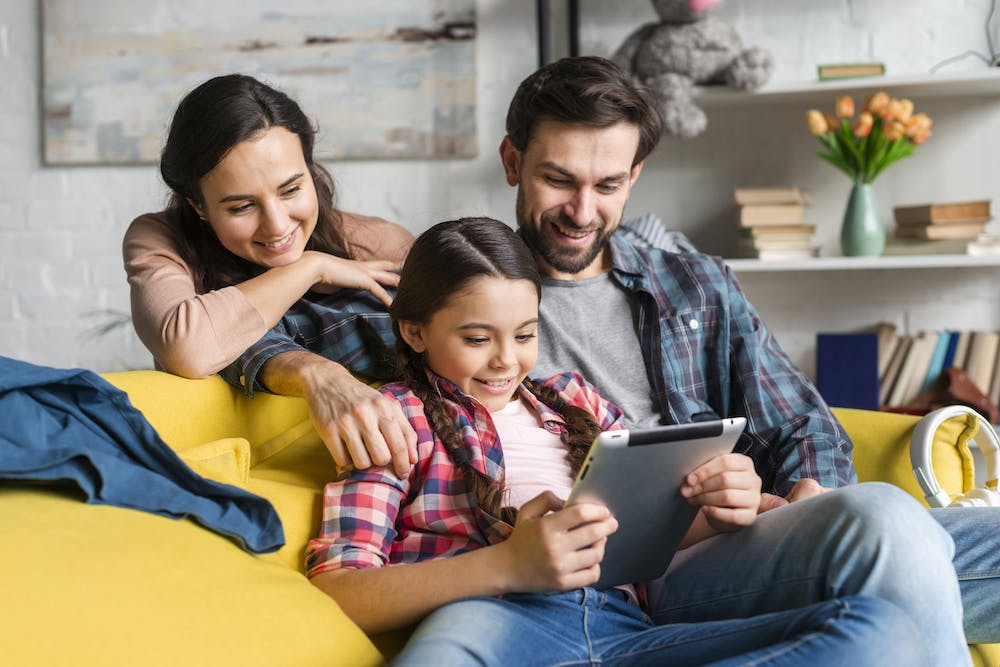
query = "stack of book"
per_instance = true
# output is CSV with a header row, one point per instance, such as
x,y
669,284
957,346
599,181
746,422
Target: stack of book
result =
x,y
880,368
773,225
951,223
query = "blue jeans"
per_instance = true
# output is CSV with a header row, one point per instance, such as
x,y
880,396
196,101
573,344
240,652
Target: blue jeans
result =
x,y
588,627
976,533
870,539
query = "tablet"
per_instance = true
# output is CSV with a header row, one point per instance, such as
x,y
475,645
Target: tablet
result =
x,y
637,474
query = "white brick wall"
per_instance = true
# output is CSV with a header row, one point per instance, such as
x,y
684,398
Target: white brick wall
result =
x,y
61,228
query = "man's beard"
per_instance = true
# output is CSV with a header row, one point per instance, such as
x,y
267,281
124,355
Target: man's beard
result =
x,y
562,258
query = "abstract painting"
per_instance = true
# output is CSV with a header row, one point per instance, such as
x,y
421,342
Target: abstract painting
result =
x,y
391,79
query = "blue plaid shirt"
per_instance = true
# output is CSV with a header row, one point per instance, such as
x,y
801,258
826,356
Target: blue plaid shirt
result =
x,y
350,327
708,355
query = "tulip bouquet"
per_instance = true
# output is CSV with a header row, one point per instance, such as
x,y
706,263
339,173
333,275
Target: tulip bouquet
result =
x,y
884,132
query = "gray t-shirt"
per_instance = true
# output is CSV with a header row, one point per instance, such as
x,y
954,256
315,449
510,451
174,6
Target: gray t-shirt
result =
x,y
581,329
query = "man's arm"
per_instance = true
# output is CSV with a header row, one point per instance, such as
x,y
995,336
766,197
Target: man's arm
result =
x,y
791,433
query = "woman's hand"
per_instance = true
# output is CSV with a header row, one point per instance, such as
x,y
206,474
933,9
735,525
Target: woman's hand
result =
x,y
359,425
336,273
555,547
727,489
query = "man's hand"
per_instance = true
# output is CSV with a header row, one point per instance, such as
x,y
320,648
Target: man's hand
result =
x,y
728,490
359,425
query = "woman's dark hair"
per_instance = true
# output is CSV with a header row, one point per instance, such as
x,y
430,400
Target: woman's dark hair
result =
x,y
442,262
584,90
208,123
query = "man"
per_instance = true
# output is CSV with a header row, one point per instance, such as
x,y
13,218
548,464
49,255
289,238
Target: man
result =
x,y
671,338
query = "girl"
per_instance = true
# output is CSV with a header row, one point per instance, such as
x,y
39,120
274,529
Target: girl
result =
x,y
246,269
503,586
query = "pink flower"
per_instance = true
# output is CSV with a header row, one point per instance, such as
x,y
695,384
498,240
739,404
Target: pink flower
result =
x,y
702,5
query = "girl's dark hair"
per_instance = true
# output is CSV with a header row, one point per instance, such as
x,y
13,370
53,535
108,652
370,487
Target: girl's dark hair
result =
x,y
583,90
208,123
442,262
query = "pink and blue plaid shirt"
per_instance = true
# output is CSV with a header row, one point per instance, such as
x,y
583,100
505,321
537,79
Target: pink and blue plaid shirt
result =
x,y
371,518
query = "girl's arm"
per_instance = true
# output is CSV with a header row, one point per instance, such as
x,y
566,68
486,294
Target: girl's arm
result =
x,y
727,490
550,549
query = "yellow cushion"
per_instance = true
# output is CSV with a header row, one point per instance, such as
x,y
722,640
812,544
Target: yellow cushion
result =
x,y
882,449
98,585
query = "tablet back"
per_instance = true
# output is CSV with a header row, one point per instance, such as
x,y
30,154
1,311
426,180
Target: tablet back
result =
x,y
637,474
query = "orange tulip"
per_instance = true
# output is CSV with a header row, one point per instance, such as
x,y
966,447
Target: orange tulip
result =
x,y
844,107
893,110
877,102
816,122
863,125
917,124
905,109
894,130
920,138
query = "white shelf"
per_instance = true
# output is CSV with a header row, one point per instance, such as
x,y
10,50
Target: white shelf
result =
x,y
864,263
984,81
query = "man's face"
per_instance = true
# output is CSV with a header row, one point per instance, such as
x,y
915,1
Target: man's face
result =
x,y
573,182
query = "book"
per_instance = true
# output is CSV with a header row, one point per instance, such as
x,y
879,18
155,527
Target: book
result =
x,y
772,195
750,245
829,71
928,341
982,357
949,355
994,393
914,369
772,214
779,254
888,381
961,349
936,364
958,230
772,231
847,369
912,246
887,339
977,210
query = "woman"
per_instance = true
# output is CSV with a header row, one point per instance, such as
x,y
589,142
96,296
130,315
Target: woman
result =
x,y
251,267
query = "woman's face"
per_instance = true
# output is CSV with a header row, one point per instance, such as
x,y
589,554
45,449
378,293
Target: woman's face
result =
x,y
261,200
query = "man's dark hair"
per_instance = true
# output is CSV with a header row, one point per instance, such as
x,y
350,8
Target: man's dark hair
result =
x,y
584,90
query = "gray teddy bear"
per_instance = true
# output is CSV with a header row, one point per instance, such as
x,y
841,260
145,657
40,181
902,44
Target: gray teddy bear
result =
x,y
689,46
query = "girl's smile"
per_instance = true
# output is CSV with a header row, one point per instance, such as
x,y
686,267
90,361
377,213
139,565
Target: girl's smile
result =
x,y
484,339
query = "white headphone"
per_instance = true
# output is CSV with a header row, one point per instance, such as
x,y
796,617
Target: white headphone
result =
x,y
920,458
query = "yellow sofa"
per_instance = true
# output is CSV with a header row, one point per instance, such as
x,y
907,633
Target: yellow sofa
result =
x,y
97,585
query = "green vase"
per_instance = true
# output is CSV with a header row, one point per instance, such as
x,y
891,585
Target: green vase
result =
x,y
862,233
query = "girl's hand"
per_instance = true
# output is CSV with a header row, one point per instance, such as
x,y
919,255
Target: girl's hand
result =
x,y
359,425
337,273
728,490
555,547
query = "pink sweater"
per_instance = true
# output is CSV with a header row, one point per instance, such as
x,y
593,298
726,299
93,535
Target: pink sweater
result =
x,y
197,335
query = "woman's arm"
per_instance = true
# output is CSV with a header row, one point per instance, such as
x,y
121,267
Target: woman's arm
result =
x,y
550,549
196,335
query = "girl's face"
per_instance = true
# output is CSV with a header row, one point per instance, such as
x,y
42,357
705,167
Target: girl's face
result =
x,y
260,199
484,340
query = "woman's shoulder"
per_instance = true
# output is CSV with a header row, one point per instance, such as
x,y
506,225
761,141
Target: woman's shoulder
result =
x,y
155,227
376,238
